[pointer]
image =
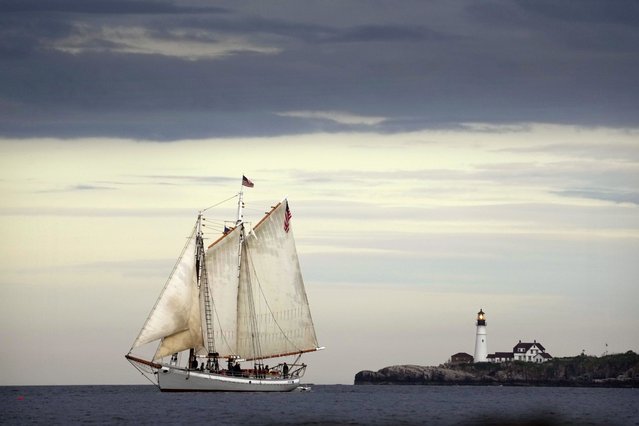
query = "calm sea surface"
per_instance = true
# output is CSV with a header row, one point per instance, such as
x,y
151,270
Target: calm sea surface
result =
x,y
335,404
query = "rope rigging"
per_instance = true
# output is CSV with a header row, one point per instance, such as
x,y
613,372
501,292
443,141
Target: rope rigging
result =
x,y
221,202
253,326
203,283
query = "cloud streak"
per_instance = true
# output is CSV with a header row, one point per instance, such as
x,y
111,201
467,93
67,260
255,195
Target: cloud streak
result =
x,y
605,195
339,117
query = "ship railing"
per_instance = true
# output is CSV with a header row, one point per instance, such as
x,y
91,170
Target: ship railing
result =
x,y
278,371
298,370
291,371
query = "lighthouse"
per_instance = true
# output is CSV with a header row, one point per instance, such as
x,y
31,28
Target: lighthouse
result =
x,y
481,347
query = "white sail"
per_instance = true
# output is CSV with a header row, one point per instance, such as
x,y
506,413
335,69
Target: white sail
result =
x,y
191,337
272,302
222,272
176,314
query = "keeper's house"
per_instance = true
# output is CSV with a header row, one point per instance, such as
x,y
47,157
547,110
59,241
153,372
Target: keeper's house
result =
x,y
528,352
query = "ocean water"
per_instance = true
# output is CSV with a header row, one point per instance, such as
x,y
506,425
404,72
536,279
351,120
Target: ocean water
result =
x,y
323,405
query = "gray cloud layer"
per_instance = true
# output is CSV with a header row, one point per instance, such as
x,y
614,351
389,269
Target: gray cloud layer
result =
x,y
149,69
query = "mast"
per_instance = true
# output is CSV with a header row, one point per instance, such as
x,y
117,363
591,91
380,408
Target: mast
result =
x,y
253,328
202,280
240,224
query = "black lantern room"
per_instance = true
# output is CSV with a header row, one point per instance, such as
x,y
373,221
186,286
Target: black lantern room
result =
x,y
481,317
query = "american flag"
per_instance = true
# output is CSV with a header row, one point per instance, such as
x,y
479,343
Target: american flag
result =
x,y
247,182
287,218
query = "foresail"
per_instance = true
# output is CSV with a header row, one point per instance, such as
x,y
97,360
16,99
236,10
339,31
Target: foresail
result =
x,y
271,285
189,338
173,313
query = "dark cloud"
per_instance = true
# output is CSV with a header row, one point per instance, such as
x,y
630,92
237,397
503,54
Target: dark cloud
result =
x,y
597,27
385,33
625,12
143,7
142,69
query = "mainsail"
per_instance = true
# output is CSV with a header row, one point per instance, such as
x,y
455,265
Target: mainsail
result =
x,y
256,299
273,312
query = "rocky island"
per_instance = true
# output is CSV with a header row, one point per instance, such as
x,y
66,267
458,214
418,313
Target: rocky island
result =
x,y
618,370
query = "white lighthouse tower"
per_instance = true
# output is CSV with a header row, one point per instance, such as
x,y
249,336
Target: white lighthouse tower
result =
x,y
481,347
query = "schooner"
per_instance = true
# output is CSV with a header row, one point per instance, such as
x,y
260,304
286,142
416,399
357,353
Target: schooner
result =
x,y
239,300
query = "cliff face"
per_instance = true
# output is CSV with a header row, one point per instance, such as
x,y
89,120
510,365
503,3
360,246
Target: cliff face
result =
x,y
414,375
620,370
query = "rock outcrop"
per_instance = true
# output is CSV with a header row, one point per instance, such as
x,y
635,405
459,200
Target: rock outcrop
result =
x,y
619,370
414,375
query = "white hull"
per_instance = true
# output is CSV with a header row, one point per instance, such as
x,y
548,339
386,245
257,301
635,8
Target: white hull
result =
x,y
182,380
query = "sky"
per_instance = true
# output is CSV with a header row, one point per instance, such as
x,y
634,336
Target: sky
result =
x,y
439,157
